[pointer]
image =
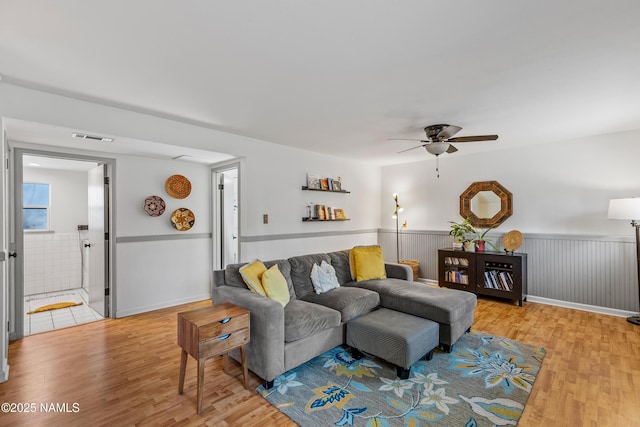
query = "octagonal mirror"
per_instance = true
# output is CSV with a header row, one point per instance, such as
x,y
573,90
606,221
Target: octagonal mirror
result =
x,y
487,204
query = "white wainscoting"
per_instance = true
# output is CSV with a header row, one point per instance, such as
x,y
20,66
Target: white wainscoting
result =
x,y
599,271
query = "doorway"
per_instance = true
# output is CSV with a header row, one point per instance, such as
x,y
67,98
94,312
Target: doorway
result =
x,y
61,223
226,184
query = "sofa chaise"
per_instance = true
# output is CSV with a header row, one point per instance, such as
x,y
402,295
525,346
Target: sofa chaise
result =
x,y
311,324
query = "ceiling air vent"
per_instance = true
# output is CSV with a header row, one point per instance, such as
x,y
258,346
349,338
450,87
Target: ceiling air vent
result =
x,y
95,138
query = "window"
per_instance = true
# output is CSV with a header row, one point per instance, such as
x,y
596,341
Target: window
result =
x,y
35,206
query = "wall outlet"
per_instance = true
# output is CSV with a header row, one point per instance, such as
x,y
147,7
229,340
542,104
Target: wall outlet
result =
x,y
265,219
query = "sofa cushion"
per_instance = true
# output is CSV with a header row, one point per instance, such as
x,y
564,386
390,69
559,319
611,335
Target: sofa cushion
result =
x,y
351,302
275,285
302,319
367,263
252,275
441,305
285,269
340,263
301,272
233,278
323,277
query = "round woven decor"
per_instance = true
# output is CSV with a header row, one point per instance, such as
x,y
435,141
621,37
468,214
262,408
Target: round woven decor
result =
x,y
512,240
182,219
178,186
154,206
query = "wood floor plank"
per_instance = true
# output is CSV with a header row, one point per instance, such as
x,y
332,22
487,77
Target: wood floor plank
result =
x,y
126,371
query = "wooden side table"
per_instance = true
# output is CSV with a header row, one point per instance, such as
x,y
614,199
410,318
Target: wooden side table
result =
x,y
210,331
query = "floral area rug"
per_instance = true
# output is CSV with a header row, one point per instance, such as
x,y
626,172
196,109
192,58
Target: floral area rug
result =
x,y
484,381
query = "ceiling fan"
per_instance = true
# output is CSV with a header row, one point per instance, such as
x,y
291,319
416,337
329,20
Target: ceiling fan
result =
x,y
440,137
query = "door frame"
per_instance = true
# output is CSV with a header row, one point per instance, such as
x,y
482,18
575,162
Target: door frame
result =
x,y
16,232
216,225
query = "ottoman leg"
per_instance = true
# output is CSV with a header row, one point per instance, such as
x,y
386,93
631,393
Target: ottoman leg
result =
x,y
356,354
403,373
446,347
428,356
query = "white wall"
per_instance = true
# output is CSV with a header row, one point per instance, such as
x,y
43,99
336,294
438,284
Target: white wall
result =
x,y
152,270
52,261
272,184
558,188
68,196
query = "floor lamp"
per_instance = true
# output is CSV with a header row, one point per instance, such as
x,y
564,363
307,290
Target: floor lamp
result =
x,y
629,209
395,215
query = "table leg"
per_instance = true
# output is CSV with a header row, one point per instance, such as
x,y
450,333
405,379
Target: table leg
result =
x,y
200,383
225,363
243,359
183,368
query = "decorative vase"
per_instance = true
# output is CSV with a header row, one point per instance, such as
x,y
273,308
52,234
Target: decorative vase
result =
x,y
470,246
480,247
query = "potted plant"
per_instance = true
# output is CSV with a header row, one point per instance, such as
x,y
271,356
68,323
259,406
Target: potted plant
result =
x,y
461,233
480,241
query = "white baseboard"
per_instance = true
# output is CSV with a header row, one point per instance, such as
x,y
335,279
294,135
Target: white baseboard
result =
x,y
565,304
165,304
583,307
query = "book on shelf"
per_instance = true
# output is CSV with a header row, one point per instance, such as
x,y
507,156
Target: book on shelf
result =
x,y
500,280
463,262
313,181
457,277
324,184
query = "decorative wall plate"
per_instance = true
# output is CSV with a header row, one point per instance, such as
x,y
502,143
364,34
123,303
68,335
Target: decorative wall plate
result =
x,y
154,206
512,240
182,219
178,186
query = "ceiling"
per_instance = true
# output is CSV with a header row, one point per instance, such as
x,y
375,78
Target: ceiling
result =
x,y
340,77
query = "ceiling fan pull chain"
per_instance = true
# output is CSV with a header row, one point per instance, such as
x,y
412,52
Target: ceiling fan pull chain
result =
x,y
437,166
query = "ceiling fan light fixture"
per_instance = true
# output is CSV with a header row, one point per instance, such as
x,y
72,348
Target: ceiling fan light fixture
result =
x,y
437,148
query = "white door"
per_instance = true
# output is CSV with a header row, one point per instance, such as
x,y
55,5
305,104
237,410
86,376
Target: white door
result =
x,y
98,249
4,279
226,217
229,217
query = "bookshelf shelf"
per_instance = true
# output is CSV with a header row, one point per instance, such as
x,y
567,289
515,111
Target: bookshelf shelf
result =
x,y
324,220
484,273
305,188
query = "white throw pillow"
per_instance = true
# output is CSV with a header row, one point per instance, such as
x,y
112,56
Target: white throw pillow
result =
x,y
324,277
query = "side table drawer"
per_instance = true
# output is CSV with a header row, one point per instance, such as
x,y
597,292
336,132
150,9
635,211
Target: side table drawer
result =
x,y
223,327
223,343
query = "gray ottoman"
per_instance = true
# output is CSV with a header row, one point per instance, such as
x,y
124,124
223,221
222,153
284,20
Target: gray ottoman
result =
x,y
396,337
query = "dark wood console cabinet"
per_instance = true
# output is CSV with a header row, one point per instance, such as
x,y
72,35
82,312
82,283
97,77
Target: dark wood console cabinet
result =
x,y
484,273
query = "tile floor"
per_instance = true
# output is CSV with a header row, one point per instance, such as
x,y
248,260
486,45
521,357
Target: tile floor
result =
x,y
60,318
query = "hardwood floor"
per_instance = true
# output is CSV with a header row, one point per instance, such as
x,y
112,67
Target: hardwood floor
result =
x,y
125,372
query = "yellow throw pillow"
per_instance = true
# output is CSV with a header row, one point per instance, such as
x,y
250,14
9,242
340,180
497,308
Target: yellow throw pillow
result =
x,y
367,263
275,285
252,276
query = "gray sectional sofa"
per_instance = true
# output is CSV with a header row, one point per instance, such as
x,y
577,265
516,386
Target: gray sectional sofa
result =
x,y
310,324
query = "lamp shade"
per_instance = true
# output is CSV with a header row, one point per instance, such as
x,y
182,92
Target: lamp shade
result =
x,y
628,209
437,148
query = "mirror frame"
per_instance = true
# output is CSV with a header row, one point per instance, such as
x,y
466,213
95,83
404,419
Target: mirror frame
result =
x,y
506,204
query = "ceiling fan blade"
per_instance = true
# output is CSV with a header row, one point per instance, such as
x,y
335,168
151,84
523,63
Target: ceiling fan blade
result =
x,y
407,139
451,149
412,148
448,132
474,138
